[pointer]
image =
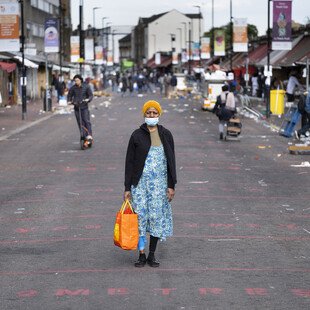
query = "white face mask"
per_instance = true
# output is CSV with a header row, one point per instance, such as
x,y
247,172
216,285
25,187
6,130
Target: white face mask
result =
x,y
151,121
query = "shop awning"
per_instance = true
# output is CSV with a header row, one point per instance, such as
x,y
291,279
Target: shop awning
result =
x,y
276,55
297,53
63,69
27,62
257,54
165,61
8,67
151,63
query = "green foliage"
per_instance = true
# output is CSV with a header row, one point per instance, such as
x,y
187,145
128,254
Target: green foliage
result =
x,y
252,33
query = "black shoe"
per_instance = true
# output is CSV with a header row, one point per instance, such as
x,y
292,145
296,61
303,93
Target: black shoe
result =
x,y
151,261
141,261
221,136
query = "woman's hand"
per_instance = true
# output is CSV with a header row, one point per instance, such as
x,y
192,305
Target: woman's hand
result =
x,y
127,195
170,194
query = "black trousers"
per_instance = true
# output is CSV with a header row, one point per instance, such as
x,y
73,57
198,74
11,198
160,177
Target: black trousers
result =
x,y
83,123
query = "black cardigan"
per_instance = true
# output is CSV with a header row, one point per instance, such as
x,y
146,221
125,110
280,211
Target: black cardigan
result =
x,y
138,148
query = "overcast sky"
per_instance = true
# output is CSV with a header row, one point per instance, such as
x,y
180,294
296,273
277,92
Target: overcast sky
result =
x,y
127,12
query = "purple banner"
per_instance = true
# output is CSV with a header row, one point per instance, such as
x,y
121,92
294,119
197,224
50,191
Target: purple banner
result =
x,y
282,25
51,36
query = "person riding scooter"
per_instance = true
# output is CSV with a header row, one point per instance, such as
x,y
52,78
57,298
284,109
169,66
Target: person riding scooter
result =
x,y
80,94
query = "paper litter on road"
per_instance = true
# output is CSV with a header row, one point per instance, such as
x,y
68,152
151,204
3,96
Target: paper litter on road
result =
x,y
303,164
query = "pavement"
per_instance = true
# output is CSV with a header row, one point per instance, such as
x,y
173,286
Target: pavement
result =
x,y
11,121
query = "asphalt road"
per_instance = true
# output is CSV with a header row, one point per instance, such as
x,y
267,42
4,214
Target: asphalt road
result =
x,y
241,217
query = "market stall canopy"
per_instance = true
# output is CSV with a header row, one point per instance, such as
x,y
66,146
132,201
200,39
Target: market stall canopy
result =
x,y
27,62
276,55
8,67
296,54
63,69
257,54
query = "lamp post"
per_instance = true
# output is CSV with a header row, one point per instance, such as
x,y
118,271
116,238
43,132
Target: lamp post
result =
x,y
212,29
185,31
199,9
81,34
154,35
24,76
231,38
180,38
268,63
102,19
94,29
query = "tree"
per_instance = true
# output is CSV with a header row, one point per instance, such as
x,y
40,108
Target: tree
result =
x,y
252,33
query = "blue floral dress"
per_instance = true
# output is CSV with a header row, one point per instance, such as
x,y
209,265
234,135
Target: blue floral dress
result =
x,y
149,197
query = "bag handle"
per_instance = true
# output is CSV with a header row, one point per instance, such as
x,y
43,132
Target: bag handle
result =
x,y
125,204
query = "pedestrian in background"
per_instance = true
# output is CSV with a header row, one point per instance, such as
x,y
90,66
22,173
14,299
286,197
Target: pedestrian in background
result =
x,y
80,94
225,108
150,178
292,84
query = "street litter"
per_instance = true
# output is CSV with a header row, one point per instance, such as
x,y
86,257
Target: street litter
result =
x,y
303,164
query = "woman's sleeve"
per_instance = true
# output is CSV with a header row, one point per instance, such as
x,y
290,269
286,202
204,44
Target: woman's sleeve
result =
x,y
172,175
130,155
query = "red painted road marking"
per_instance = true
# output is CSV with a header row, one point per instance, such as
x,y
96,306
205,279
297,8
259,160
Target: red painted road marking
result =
x,y
65,292
288,226
97,226
118,291
165,291
221,225
301,292
28,293
130,269
210,290
256,291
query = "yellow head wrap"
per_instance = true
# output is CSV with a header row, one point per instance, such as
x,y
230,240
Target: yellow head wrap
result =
x,y
152,104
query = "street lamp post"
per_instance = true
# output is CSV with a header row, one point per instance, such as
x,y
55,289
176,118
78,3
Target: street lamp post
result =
x,y
199,9
181,43
231,38
103,18
24,76
81,34
154,35
268,63
94,29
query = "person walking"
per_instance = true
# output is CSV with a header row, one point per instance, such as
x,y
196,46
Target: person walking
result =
x,y
80,94
225,108
305,129
150,179
292,84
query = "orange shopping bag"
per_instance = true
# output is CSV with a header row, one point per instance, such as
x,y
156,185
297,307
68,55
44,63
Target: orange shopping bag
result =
x,y
126,234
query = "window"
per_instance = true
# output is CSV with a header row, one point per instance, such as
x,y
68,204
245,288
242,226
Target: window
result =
x,y
34,3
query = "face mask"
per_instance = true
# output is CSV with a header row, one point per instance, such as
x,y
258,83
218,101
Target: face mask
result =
x,y
151,121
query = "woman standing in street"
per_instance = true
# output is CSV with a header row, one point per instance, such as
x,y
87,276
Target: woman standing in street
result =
x,y
150,178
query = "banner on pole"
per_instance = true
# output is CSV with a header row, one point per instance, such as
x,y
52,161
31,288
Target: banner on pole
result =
x,y
184,56
51,36
282,25
205,48
219,42
195,51
175,58
240,43
99,55
9,27
89,49
157,59
75,48
110,61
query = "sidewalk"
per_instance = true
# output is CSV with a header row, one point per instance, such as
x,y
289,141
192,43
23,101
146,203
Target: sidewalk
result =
x,y
11,117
